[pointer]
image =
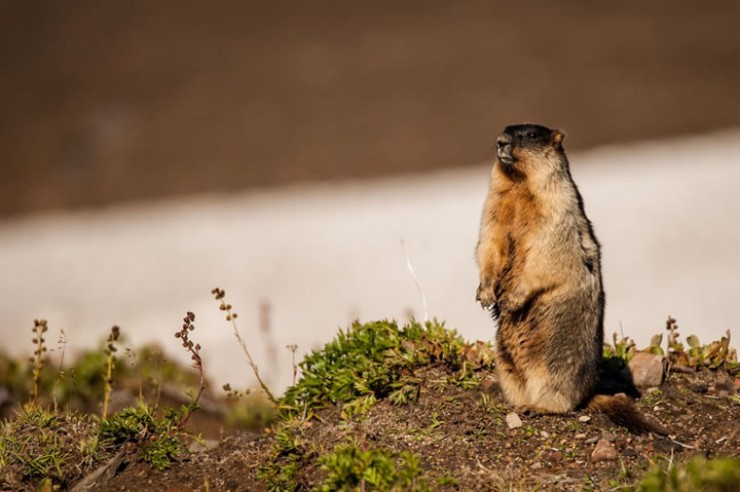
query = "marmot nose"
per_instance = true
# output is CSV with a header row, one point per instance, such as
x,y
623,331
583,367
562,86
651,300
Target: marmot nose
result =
x,y
503,140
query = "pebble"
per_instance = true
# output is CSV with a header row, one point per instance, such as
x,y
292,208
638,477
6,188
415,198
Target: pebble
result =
x,y
207,444
513,420
605,434
604,451
584,418
647,369
581,436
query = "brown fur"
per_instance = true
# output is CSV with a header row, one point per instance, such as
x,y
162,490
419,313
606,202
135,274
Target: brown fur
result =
x,y
540,274
622,411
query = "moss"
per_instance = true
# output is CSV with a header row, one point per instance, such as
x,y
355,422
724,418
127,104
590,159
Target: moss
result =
x,y
39,443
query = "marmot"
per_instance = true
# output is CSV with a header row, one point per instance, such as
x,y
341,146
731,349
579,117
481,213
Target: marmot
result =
x,y
540,274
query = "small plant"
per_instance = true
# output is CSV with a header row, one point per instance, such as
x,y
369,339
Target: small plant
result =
x,y
220,296
672,342
158,437
698,474
39,329
715,355
350,468
655,345
288,456
622,348
293,347
62,347
194,349
110,357
448,481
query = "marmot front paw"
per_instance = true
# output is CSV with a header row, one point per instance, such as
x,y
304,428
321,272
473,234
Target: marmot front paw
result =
x,y
485,296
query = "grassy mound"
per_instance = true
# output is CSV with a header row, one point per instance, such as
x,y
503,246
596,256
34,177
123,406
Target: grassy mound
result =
x,y
380,407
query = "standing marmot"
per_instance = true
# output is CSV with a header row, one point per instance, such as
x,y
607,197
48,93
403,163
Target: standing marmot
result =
x,y
540,274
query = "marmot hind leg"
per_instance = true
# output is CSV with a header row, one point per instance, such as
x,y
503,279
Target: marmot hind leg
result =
x,y
538,394
511,383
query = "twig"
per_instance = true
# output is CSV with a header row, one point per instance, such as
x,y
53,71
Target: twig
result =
x,y
416,281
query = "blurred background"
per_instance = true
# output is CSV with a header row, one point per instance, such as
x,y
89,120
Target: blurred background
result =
x,y
150,151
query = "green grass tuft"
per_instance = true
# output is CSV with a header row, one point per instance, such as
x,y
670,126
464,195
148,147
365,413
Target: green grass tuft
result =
x,y
350,468
372,361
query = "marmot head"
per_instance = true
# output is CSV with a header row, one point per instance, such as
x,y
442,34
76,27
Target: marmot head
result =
x,y
527,148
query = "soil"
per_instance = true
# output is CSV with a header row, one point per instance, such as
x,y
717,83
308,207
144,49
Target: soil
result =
x,y
463,434
105,102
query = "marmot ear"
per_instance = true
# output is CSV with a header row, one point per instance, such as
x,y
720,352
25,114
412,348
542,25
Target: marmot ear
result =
x,y
557,137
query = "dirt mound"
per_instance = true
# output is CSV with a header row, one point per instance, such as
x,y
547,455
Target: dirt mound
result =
x,y
421,410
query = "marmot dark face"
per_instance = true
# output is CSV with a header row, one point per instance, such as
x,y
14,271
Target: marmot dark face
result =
x,y
518,142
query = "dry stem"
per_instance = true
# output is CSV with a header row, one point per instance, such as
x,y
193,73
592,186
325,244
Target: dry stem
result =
x,y
219,294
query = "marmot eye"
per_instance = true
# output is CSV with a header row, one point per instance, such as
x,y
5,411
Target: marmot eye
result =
x,y
532,135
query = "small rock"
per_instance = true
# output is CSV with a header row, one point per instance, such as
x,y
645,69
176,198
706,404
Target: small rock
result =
x,y
604,451
544,434
535,466
513,420
207,444
581,436
584,419
723,394
605,434
647,369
